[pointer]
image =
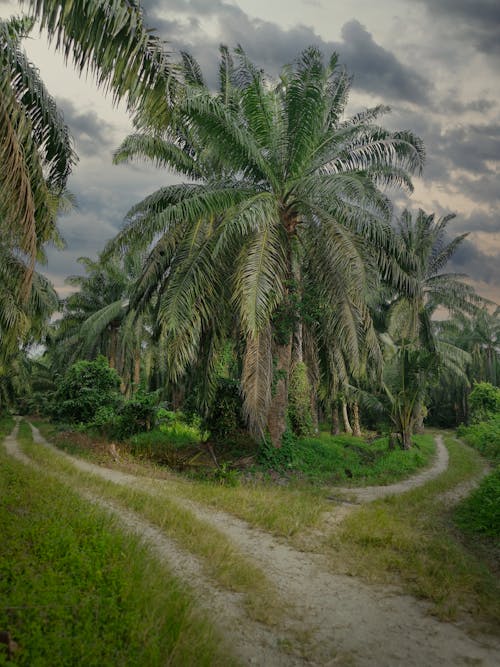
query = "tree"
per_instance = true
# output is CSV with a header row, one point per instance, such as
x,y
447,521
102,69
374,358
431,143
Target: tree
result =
x,y
97,319
35,153
294,199
86,387
417,356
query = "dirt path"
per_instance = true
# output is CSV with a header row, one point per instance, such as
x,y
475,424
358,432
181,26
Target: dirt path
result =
x,y
345,621
368,493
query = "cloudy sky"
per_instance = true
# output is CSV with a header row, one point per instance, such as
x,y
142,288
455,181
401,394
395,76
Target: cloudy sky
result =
x,y
435,62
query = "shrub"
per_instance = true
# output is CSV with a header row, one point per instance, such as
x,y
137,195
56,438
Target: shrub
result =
x,y
136,415
86,387
225,416
484,401
167,443
485,437
278,458
480,512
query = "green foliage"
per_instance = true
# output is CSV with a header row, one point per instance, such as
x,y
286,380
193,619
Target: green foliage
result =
x,y
171,440
484,401
136,415
485,437
225,417
86,387
480,512
299,395
77,592
344,458
278,458
226,476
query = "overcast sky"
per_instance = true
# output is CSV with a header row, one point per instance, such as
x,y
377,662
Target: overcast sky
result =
x,y
435,62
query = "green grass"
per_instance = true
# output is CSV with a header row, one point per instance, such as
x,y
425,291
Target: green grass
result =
x,y
345,459
412,538
281,510
485,437
220,559
479,514
6,425
75,591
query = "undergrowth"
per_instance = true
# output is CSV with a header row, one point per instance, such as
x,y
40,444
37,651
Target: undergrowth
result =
x,y
76,591
220,559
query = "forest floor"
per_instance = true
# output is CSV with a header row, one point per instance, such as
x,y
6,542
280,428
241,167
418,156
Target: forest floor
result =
x,y
297,609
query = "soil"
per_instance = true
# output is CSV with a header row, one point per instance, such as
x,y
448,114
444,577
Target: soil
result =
x,y
331,619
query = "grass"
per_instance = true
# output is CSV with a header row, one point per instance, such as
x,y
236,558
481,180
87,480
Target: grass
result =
x,y
412,538
74,590
485,437
345,459
220,559
297,506
6,426
479,514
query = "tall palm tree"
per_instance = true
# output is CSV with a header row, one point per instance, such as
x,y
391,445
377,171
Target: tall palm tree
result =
x,y
107,39
97,319
35,153
292,198
428,250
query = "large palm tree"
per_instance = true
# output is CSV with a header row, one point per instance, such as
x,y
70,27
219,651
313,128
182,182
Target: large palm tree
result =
x,y
108,39
35,153
292,198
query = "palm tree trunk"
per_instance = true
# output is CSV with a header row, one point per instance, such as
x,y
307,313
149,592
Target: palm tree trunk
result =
x,y
335,427
137,371
276,416
356,426
314,410
345,417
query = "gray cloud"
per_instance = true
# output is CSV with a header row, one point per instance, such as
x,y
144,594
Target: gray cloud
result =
x,y
476,264
472,147
375,69
478,221
477,20
92,134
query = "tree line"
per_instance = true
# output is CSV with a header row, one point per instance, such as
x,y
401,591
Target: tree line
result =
x,y
277,270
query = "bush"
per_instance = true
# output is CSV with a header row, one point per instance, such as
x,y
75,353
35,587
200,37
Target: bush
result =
x,y
484,401
136,415
87,387
278,458
485,437
225,417
167,443
480,512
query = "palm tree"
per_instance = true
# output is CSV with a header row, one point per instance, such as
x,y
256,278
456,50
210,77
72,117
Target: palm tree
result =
x,y
35,153
428,250
107,39
291,199
97,319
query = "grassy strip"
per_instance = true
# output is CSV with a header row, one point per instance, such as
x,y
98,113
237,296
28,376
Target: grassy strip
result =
x,y
219,557
283,511
413,537
479,514
6,426
76,591
286,511
351,461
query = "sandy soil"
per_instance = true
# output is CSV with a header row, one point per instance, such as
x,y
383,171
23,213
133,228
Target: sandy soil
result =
x,y
343,621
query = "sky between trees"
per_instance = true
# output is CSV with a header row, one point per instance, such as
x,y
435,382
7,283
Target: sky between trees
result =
x,y
435,63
